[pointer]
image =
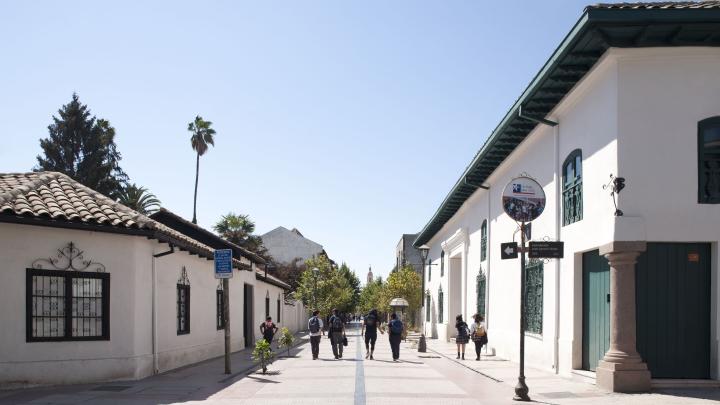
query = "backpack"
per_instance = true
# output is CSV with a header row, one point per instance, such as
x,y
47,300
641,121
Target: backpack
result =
x,y
396,327
336,323
314,324
370,320
479,331
463,329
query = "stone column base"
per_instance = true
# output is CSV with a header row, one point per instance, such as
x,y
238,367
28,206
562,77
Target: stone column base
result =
x,y
622,377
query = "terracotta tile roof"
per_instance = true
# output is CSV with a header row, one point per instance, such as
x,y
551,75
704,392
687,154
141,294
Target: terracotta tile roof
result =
x,y
658,5
57,198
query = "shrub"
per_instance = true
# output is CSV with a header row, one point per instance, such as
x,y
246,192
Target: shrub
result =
x,y
286,339
262,354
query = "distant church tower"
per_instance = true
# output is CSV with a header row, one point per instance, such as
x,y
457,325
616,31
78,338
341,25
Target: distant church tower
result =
x,y
370,277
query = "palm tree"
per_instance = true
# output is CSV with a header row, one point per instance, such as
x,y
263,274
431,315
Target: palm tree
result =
x,y
202,136
139,199
235,228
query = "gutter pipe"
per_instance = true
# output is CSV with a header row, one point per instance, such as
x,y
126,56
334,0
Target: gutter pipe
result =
x,y
154,343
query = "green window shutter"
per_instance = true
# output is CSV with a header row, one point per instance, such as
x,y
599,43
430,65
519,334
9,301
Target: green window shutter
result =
x,y
709,161
427,307
572,188
534,296
483,241
441,297
481,293
442,263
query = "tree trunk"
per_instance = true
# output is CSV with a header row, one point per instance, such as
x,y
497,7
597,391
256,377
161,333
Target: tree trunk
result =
x,y
197,173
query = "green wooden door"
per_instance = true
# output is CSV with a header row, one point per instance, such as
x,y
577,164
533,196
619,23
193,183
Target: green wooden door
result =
x,y
596,309
673,309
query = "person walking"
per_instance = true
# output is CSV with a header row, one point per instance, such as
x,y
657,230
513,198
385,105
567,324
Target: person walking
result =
x,y
315,326
479,334
336,334
268,329
369,331
463,336
395,330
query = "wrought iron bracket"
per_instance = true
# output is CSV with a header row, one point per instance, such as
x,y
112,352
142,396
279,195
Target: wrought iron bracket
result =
x,y
68,258
615,185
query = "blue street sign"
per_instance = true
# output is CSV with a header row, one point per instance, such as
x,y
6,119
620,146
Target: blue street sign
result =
x,y
223,263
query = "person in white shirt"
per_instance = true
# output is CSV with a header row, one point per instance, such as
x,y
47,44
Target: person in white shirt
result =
x,y
315,326
478,333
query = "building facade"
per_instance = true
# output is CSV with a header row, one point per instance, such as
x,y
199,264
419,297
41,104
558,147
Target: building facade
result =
x,y
94,291
622,96
406,254
286,245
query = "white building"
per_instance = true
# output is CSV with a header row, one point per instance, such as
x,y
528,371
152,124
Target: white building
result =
x,y
285,246
93,291
635,93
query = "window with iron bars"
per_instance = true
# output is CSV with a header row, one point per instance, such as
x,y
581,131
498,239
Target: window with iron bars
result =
x,y
534,296
572,188
481,293
183,309
67,305
441,298
483,240
709,161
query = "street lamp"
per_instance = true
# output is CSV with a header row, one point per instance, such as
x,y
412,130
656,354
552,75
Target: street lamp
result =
x,y
424,251
315,271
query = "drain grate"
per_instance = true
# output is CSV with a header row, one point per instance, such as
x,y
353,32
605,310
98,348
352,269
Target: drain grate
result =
x,y
111,388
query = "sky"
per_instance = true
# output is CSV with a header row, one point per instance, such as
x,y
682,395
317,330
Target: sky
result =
x,y
349,120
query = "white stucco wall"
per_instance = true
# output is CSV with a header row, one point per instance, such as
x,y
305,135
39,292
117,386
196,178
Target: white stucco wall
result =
x,y
647,102
129,352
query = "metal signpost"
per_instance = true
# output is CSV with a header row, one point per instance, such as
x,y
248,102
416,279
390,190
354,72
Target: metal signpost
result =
x,y
523,200
224,271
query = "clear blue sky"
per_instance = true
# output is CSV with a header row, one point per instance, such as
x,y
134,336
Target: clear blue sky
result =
x,y
347,120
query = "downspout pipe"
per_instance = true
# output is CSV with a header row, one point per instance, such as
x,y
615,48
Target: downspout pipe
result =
x,y
558,213
154,343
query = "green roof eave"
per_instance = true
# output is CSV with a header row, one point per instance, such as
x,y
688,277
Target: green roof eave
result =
x,y
595,31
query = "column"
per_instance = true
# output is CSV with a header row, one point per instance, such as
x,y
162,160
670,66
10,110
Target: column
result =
x,y
622,369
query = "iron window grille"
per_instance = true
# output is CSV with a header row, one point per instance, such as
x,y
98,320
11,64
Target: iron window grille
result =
x,y
267,304
67,305
480,291
572,188
483,240
441,298
534,297
442,263
709,161
183,303
219,296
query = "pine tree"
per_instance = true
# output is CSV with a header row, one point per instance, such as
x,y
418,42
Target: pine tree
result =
x,y
83,147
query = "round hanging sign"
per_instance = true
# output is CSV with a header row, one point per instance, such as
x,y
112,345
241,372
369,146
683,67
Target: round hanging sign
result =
x,y
523,199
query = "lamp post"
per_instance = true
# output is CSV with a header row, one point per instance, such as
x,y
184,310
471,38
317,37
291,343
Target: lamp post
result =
x,y
422,345
315,271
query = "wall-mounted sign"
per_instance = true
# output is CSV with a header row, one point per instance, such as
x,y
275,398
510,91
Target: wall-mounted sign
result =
x,y
508,250
546,250
223,263
523,199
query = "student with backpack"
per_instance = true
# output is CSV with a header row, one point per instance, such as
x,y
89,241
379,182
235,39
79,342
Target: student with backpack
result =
x,y
395,330
315,326
268,329
369,330
479,334
463,335
336,334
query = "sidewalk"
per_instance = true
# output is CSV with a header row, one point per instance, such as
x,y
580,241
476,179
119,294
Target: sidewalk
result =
x,y
556,389
194,382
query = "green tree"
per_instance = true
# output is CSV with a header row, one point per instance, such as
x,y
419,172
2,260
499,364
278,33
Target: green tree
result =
x,y
404,283
354,283
139,199
290,273
371,296
262,353
83,147
202,136
326,290
238,229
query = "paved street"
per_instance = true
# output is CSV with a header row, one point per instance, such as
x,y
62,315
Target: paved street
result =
x,y
433,378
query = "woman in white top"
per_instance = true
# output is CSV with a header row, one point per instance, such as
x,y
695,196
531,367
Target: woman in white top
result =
x,y
478,334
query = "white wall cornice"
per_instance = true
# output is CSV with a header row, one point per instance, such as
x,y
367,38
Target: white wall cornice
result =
x,y
457,239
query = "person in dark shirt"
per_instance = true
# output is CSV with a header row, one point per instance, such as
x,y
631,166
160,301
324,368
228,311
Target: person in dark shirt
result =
x,y
369,330
268,329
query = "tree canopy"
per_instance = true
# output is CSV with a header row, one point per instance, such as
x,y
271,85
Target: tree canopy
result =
x,y
83,147
139,199
238,229
327,290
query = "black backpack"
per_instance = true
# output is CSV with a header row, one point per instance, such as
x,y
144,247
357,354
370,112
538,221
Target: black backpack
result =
x,y
314,324
370,320
336,323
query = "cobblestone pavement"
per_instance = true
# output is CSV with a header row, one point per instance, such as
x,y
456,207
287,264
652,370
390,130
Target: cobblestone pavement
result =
x,y
433,378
